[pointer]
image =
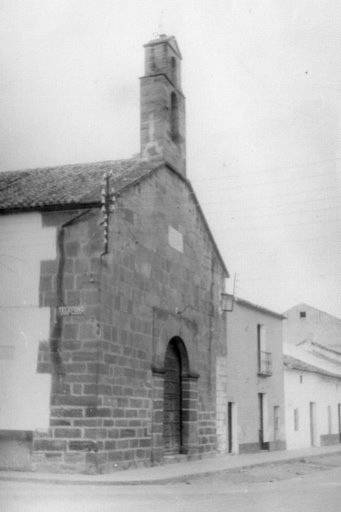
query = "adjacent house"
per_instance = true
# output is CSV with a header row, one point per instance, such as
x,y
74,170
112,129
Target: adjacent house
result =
x,y
312,377
255,396
111,325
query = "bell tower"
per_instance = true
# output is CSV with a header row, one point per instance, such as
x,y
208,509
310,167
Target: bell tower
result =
x,y
163,104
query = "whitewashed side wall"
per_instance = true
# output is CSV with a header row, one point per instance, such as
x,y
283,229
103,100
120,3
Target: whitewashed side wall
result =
x,y
243,381
301,388
24,394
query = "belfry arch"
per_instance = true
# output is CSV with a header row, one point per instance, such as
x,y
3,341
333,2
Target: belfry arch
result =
x,y
174,121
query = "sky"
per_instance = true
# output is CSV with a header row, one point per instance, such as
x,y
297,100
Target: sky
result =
x,y
262,80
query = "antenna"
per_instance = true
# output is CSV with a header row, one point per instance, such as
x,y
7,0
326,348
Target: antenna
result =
x,y
235,284
161,23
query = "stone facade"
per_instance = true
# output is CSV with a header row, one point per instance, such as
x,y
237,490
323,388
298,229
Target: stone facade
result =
x,y
108,364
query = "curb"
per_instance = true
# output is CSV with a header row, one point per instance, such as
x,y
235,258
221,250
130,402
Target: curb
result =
x,y
65,479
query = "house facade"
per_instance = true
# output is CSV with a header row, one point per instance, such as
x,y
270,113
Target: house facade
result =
x,y
255,393
312,384
112,334
312,377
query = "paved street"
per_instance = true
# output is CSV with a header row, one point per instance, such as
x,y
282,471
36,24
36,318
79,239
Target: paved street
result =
x,y
272,489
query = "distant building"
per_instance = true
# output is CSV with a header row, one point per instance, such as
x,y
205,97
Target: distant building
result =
x,y
255,394
111,283
312,377
305,322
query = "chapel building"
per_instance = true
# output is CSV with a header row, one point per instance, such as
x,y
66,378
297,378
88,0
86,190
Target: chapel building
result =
x,y
111,320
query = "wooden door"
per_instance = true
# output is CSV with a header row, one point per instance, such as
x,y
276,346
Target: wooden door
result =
x,y
229,426
172,401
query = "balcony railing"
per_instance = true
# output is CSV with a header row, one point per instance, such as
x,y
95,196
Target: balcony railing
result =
x,y
264,363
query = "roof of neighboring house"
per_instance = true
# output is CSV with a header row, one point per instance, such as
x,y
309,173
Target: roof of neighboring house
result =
x,y
293,363
323,352
262,309
324,347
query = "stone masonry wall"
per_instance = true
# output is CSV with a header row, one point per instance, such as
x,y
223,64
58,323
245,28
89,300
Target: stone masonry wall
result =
x,y
161,279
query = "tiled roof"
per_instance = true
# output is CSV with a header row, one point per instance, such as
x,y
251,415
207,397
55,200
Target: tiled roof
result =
x,y
297,364
333,349
67,185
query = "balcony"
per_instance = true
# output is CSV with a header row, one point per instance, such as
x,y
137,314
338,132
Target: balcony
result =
x,y
265,363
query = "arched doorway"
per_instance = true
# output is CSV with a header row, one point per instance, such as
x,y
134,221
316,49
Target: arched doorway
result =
x,y
176,363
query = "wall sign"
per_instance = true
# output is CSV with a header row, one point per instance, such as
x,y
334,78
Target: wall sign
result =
x,y
70,310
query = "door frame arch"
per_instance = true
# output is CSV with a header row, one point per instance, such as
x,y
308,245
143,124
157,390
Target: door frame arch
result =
x,y
168,326
176,367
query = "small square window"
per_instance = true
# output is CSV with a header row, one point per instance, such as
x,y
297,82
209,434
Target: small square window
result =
x,y
303,314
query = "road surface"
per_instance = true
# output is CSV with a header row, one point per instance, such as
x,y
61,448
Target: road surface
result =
x,y
316,491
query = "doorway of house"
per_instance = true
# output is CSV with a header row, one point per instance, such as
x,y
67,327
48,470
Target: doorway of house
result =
x,y
276,422
172,424
230,426
312,413
261,420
